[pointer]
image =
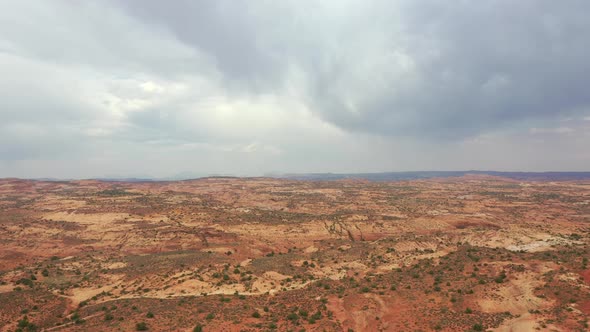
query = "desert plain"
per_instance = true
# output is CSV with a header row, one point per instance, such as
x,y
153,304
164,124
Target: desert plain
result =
x,y
469,253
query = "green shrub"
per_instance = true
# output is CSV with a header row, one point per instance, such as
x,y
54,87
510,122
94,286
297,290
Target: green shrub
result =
x,y
25,281
141,326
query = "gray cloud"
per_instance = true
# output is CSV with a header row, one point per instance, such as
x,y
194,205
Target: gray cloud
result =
x,y
250,87
442,69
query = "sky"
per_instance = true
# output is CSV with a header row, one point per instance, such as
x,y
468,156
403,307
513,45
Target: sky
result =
x,y
190,88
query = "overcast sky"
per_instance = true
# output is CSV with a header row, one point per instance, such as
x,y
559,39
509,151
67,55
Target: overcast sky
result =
x,y
165,88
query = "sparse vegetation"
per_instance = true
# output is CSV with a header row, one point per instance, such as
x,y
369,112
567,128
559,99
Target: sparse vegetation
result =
x,y
338,249
141,326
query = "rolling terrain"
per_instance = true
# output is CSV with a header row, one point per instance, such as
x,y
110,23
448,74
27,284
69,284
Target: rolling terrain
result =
x,y
473,252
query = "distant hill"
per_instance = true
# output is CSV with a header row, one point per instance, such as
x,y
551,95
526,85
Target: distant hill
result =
x,y
383,176
398,176
115,179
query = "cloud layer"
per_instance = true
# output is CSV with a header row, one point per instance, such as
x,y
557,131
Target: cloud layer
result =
x,y
153,88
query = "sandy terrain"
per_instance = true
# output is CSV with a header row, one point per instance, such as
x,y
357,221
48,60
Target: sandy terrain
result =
x,y
228,254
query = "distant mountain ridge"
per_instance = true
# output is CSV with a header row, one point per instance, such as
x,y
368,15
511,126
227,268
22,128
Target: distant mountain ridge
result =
x,y
380,176
398,176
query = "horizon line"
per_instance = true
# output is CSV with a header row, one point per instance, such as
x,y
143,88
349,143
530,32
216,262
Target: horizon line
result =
x,y
293,175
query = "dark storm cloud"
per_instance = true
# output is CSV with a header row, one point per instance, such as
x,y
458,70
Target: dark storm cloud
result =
x,y
415,68
232,32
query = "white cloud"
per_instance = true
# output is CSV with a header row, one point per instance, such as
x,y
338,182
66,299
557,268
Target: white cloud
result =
x,y
256,147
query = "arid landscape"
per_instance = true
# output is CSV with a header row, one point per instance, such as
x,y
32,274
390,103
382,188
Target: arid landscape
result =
x,y
295,166
475,252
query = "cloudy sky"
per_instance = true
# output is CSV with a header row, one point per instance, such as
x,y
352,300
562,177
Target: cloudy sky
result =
x,y
185,88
